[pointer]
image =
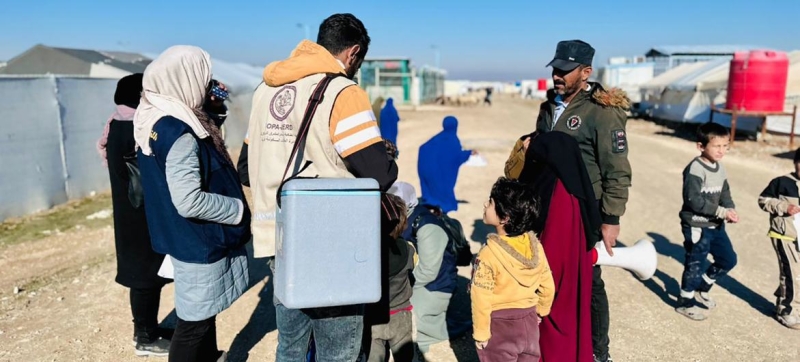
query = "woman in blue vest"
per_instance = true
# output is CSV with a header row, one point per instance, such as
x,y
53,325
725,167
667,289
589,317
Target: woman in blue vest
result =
x,y
194,203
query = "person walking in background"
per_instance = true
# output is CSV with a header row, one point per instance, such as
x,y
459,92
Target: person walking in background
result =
x,y
780,199
389,119
137,263
193,198
377,106
707,206
439,161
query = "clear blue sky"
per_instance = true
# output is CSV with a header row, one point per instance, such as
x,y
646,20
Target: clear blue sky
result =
x,y
493,40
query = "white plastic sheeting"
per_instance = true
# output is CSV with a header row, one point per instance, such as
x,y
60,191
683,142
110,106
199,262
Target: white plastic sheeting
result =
x,y
689,98
650,92
85,107
50,126
689,90
628,77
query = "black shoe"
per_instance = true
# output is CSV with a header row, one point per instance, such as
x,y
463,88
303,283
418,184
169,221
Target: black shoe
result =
x,y
158,348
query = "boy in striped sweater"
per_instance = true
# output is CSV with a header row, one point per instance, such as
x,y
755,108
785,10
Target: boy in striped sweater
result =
x,y
780,200
707,205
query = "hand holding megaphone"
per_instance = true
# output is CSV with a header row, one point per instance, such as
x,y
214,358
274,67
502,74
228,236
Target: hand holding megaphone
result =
x,y
641,258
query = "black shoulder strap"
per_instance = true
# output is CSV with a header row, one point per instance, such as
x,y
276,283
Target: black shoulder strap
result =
x,y
316,98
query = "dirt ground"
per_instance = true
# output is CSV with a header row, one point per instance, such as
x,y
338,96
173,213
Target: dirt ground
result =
x,y
70,308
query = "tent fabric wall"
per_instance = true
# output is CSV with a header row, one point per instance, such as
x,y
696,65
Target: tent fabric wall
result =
x,y
652,90
85,107
689,98
50,127
628,77
32,163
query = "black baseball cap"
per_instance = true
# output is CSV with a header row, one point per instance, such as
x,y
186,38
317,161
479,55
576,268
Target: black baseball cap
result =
x,y
572,53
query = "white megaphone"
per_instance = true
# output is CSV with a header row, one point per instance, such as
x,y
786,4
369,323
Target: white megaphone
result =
x,y
640,258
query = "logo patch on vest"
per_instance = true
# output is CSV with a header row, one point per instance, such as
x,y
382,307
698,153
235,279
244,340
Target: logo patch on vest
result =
x,y
620,143
282,103
574,123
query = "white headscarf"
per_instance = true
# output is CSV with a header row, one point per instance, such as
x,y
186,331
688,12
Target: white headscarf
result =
x,y
174,85
406,192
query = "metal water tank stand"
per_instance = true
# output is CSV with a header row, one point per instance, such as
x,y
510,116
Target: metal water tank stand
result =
x,y
763,115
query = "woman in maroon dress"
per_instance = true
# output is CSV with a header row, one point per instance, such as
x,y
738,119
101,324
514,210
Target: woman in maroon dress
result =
x,y
569,220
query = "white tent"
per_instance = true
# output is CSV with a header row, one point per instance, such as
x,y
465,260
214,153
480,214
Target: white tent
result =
x,y
628,77
782,124
689,98
651,91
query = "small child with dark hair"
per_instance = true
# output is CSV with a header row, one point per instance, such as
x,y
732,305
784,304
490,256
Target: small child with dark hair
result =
x,y
512,287
707,205
388,323
780,199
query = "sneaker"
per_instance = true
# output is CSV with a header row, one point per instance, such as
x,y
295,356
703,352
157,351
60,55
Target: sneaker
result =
x,y
608,359
165,333
789,321
705,299
689,309
159,348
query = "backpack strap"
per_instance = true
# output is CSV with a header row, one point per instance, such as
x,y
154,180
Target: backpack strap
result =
x,y
422,219
313,103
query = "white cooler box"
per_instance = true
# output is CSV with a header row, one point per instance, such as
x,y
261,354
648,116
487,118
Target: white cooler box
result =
x,y
328,243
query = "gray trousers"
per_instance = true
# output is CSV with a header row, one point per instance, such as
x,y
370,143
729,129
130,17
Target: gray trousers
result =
x,y
430,312
397,334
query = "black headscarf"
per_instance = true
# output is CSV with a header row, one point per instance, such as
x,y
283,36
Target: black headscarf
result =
x,y
129,90
555,156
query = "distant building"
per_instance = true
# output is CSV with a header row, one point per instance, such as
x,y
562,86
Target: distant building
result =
x,y
668,57
397,78
42,59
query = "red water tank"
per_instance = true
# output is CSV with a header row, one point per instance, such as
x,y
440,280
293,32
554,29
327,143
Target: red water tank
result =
x,y
757,81
542,85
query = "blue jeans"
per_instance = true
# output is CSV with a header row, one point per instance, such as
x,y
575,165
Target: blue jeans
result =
x,y
337,332
699,242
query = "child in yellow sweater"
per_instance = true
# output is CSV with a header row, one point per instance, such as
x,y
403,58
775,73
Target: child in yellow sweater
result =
x,y
512,286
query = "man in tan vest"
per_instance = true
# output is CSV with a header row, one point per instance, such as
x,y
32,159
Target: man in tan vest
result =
x,y
343,141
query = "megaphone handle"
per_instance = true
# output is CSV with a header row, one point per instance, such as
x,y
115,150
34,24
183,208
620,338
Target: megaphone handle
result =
x,y
595,256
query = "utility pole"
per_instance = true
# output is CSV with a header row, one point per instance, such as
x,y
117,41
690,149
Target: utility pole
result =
x,y
306,29
437,55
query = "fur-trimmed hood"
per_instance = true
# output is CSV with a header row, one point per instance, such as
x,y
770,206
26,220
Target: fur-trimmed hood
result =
x,y
519,255
613,97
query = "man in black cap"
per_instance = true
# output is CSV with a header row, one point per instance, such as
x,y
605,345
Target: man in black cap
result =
x,y
596,118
